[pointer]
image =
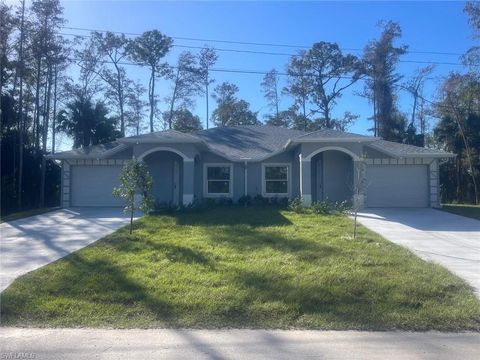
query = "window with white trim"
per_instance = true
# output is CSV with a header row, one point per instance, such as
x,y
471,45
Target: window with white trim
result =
x,y
276,180
218,179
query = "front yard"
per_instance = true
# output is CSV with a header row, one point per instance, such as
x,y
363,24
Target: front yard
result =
x,y
260,267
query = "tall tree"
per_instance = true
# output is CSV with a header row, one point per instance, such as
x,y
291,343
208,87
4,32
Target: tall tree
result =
x,y
380,60
459,129
299,87
271,91
185,121
114,48
415,87
186,80
206,59
7,27
149,49
472,57
87,123
230,110
136,107
330,72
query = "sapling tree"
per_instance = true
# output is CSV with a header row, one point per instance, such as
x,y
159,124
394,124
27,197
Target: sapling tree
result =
x,y
135,179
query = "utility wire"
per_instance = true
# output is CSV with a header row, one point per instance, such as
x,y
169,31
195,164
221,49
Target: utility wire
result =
x,y
305,47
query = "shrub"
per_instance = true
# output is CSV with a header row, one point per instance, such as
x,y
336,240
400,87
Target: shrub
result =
x,y
245,200
296,205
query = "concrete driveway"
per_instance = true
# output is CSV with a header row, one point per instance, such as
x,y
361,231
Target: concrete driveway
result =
x,y
32,242
450,240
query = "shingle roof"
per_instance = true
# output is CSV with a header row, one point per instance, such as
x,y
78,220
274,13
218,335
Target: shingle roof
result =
x,y
255,142
90,152
170,136
332,134
404,150
247,142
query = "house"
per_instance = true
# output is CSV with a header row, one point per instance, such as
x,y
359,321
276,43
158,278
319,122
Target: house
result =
x,y
230,162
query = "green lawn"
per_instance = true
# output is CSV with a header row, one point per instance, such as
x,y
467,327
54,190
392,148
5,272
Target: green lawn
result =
x,y
243,268
472,211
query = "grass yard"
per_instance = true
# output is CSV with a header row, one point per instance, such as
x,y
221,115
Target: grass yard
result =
x,y
471,211
242,268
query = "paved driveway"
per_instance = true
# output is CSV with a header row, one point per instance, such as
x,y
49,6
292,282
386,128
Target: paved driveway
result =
x,y
450,240
29,243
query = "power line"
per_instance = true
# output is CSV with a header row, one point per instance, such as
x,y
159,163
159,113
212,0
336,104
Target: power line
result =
x,y
278,53
304,47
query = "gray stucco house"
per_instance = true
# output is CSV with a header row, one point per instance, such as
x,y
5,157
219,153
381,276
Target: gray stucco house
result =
x,y
249,160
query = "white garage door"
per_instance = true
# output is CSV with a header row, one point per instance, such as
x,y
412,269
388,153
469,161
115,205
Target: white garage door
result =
x,y
93,185
397,186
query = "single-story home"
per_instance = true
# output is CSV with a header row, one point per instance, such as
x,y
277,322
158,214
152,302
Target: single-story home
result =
x,y
229,162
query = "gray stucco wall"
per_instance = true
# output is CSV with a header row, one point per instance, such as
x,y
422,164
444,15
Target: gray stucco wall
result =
x,y
161,167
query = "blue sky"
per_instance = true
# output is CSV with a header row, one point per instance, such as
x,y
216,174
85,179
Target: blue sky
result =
x,y
427,26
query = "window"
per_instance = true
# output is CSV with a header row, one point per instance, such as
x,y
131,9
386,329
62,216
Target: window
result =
x,y
275,179
218,179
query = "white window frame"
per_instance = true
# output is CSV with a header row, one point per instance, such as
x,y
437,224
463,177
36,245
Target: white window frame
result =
x,y
205,180
289,180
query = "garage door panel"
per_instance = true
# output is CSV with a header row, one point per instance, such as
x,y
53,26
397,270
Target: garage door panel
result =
x,y
93,185
397,186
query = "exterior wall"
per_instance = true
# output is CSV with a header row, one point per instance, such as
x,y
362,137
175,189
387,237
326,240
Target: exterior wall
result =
x,y
188,151
434,184
310,149
332,176
161,167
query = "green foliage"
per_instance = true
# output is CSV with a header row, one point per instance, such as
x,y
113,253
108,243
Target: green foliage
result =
x,y
87,123
183,120
245,200
135,179
235,267
231,111
324,207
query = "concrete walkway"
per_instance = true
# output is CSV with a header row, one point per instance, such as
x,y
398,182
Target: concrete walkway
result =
x,y
29,243
450,240
235,344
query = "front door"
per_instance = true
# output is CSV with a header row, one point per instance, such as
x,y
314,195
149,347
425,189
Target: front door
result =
x,y
176,183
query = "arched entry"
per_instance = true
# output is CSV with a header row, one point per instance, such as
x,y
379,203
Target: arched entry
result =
x,y
166,168
332,176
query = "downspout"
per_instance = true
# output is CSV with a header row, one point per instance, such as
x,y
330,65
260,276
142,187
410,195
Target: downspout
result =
x,y
301,175
245,173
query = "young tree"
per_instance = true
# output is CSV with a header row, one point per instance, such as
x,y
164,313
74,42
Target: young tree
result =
x,y
186,81
207,58
380,59
270,89
149,49
113,47
135,179
231,111
184,121
330,73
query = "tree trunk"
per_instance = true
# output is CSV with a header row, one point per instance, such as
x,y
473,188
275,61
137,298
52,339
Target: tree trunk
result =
x,y
152,97
120,99
37,107
20,110
206,97
54,107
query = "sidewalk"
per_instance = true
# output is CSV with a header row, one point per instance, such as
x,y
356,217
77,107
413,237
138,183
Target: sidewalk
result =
x,y
234,344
